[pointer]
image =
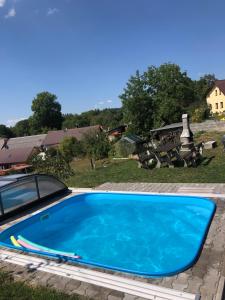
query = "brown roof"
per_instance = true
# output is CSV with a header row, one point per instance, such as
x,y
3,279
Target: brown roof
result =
x,y
55,137
1,143
26,141
12,156
221,85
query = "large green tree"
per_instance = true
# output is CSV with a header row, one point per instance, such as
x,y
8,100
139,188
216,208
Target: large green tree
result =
x,y
108,118
21,128
46,112
172,92
75,120
157,97
5,132
138,108
203,86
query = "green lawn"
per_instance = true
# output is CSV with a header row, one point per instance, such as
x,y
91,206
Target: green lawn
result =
x,y
10,290
211,169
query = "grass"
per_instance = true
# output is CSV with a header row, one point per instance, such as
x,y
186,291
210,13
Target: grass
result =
x,y
210,170
20,291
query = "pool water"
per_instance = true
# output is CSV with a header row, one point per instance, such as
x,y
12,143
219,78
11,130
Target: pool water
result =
x,y
150,235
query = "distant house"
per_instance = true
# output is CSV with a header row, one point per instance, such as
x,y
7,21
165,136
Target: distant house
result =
x,y
26,141
17,151
54,138
116,132
14,157
216,97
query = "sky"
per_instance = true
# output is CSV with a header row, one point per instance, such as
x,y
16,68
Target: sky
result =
x,y
84,51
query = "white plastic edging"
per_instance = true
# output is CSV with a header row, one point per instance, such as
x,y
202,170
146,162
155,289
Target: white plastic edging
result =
x,y
87,190
129,286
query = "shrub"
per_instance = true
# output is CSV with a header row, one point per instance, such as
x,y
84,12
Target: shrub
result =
x,y
200,114
96,146
70,147
54,165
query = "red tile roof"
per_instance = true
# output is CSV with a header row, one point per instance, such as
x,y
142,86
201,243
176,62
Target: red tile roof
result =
x,y
55,137
221,85
12,156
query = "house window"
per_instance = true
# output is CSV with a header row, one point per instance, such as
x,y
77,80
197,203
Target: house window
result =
x,y
220,92
216,92
221,104
217,106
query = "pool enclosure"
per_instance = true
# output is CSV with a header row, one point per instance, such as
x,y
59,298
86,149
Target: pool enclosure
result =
x,y
21,190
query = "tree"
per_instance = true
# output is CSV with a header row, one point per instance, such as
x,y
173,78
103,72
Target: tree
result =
x,y
203,86
96,146
157,97
22,128
5,132
46,112
73,121
200,113
172,92
137,103
70,147
108,117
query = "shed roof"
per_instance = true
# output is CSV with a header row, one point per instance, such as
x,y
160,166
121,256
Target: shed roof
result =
x,y
168,127
56,136
132,139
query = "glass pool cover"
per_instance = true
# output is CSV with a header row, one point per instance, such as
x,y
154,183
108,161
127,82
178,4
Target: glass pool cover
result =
x,y
20,190
149,235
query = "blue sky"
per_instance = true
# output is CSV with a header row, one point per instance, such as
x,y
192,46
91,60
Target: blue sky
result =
x,y
84,51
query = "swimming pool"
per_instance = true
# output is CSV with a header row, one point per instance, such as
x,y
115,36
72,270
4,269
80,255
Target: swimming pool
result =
x,y
149,235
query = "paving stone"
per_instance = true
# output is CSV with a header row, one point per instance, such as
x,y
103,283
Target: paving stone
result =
x,y
93,292
206,294
194,284
81,290
104,293
167,282
179,286
129,297
58,282
41,279
71,286
181,283
116,295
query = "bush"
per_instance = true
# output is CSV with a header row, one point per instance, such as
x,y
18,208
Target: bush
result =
x,y
200,114
70,147
96,146
54,165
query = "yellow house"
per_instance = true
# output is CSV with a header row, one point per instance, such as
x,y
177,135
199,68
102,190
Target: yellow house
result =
x,y
216,97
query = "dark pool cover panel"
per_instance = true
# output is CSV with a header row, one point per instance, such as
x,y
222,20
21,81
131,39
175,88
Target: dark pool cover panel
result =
x,y
22,190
